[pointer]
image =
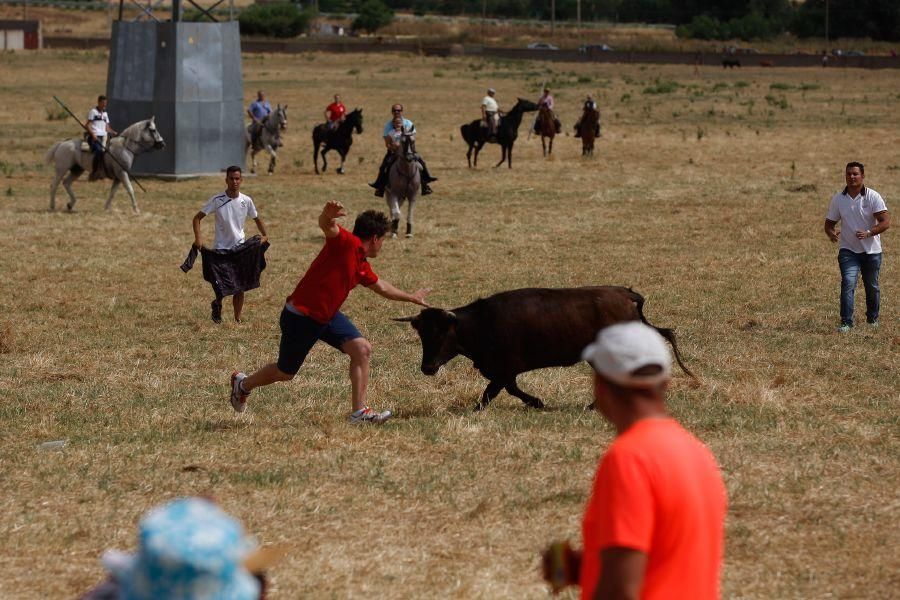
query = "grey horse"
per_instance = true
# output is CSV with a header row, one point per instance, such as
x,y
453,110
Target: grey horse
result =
x,y
71,160
404,183
269,138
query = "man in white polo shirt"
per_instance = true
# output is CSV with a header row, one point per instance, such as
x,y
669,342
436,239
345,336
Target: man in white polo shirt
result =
x,y
231,208
490,112
864,217
98,126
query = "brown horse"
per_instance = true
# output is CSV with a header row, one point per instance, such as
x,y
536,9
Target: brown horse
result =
x,y
546,127
587,129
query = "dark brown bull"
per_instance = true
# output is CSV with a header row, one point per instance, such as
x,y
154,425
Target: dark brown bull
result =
x,y
522,330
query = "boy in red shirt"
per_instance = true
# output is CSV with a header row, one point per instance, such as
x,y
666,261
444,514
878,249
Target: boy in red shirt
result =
x,y
654,525
312,313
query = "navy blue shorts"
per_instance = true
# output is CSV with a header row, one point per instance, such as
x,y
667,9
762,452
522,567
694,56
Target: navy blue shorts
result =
x,y
299,334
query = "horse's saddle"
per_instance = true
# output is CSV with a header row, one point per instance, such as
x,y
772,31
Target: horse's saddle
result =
x,y
85,147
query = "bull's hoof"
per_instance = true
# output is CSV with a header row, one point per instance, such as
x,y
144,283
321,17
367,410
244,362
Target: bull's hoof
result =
x,y
478,407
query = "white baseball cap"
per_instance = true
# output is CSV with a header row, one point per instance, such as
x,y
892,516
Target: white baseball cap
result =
x,y
622,349
491,91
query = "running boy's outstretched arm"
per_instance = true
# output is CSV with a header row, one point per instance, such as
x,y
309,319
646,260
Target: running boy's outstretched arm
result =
x,y
328,219
385,289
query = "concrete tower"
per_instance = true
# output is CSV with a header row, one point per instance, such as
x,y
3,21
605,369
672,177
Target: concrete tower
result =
x,y
189,76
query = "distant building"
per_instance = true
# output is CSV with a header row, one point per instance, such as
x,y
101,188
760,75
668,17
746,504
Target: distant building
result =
x,y
326,29
20,35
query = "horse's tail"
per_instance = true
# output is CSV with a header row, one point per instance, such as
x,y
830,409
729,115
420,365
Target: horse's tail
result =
x,y
51,153
464,132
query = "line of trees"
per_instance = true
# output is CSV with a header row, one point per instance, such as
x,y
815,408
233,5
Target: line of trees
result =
x,y
707,19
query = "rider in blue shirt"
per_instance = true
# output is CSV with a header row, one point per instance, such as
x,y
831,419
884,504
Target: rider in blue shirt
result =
x,y
382,179
258,111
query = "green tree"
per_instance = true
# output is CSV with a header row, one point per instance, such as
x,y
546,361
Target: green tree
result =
x,y
281,19
373,15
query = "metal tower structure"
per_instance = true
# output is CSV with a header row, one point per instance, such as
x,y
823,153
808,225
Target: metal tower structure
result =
x,y
187,74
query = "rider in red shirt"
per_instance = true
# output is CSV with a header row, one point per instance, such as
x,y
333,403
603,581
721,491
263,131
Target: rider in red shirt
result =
x,y
335,112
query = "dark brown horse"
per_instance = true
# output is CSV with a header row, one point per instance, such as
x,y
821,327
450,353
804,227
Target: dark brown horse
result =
x,y
546,126
339,138
476,136
587,129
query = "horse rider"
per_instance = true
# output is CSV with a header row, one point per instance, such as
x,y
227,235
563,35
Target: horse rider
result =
x,y
258,111
98,126
335,113
490,112
546,100
589,105
389,156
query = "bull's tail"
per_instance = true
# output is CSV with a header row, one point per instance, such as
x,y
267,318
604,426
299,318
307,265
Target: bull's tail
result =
x,y
666,332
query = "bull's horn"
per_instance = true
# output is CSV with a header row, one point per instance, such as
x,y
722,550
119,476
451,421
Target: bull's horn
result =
x,y
403,319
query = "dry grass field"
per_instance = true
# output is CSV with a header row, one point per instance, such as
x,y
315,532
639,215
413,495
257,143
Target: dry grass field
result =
x,y
707,195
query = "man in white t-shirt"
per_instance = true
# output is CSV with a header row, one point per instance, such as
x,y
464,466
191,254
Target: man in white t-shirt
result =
x,y
231,208
864,217
490,112
98,127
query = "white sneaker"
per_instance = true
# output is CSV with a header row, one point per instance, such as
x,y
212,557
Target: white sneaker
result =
x,y
238,396
367,415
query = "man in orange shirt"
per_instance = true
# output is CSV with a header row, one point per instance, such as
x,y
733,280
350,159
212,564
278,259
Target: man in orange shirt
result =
x,y
654,525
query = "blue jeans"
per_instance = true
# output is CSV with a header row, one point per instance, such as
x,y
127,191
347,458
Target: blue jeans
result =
x,y
852,264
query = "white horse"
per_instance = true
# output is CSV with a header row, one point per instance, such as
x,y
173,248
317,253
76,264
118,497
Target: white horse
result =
x,y
404,182
71,160
269,138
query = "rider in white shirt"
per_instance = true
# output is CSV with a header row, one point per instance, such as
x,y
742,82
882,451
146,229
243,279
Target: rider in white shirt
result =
x,y
98,127
490,112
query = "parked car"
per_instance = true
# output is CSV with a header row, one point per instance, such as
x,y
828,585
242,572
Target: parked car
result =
x,y
854,53
541,46
587,48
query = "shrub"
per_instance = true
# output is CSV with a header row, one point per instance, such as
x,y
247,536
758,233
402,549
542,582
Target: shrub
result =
x,y
282,20
751,26
373,15
661,87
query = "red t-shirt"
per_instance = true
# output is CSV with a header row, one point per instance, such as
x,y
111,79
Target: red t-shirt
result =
x,y
337,110
659,491
338,268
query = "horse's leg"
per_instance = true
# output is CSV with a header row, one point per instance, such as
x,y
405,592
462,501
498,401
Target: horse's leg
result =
x,y
550,149
502,156
394,207
112,192
340,169
272,157
126,181
67,184
324,160
509,156
253,152
411,204
316,155
53,187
